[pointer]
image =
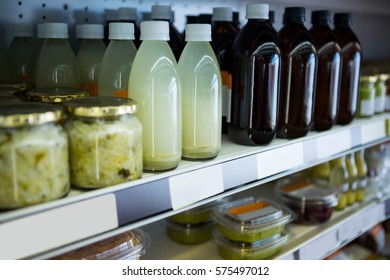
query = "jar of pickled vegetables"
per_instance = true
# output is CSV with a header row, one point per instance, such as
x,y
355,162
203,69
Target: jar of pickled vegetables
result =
x,y
366,106
105,141
34,164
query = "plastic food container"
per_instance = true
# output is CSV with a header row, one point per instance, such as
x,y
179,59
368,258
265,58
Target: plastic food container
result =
x,y
130,245
33,155
251,219
105,141
259,250
190,233
310,203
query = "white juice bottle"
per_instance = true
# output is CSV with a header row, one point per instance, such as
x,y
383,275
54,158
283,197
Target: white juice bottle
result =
x,y
117,60
57,65
90,56
155,85
201,94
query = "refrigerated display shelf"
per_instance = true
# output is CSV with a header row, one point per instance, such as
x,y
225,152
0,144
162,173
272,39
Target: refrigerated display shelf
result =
x,y
83,217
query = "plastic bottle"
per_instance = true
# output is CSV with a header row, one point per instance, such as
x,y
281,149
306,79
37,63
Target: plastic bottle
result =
x,y
362,171
90,56
328,73
321,173
117,61
164,13
130,15
223,35
352,178
256,63
21,53
57,65
202,95
380,93
366,102
155,85
339,181
352,55
297,87
110,15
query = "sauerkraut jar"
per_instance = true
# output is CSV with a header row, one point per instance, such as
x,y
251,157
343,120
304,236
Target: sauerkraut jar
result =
x,y
33,155
105,141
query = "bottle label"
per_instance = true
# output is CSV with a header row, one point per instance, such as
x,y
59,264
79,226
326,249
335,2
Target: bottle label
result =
x,y
121,93
92,88
226,94
380,104
367,107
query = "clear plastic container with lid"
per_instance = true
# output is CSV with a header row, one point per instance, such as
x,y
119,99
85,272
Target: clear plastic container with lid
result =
x,y
310,203
105,141
130,245
190,233
34,164
117,61
57,65
251,219
258,250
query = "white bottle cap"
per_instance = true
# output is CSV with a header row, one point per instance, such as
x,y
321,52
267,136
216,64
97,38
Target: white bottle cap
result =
x,y
155,30
40,30
257,11
198,32
161,12
90,31
126,13
22,30
54,30
111,15
121,31
222,14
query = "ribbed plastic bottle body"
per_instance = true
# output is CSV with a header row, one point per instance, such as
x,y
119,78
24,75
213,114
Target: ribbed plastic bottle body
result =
x,y
90,56
201,101
297,88
351,62
155,85
328,77
115,68
57,65
256,64
21,58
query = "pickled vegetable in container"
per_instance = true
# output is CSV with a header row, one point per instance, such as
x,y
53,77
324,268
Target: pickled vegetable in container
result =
x,y
34,165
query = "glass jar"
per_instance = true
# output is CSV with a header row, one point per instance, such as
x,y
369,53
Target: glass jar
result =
x,y
33,155
105,141
366,105
14,87
380,93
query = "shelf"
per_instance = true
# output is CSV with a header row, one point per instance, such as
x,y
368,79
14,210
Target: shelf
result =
x,y
305,242
84,217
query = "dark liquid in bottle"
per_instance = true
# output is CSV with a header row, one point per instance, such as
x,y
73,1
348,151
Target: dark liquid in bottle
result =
x,y
255,90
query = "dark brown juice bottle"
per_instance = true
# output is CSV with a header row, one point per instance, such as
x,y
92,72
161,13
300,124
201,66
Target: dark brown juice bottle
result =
x,y
256,62
298,77
328,71
223,35
351,62
176,42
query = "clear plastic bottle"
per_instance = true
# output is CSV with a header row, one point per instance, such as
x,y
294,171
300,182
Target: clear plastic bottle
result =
x,y
223,35
321,173
352,178
90,56
202,95
298,78
110,15
57,65
164,13
329,70
339,181
21,53
117,61
352,56
256,64
155,85
362,171
127,14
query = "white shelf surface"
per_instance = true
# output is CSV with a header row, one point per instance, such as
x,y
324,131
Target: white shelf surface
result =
x,y
306,242
84,217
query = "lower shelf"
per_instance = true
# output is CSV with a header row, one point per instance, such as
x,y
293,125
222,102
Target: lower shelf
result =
x,y
306,242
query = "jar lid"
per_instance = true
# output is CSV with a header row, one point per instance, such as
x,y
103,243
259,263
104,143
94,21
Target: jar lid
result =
x,y
56,94
222,14
15,84
28,114
101,106
368,79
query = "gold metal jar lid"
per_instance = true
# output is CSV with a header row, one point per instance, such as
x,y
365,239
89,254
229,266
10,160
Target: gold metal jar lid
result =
x,y
56,94
19,86
368,79
28,114
101,106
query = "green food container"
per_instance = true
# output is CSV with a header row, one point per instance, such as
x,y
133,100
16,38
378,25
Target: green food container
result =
x,y
190,233
251,219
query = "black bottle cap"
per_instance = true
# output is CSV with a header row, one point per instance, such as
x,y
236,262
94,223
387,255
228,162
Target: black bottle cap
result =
x,y
321,16
343,19
294,14
272,16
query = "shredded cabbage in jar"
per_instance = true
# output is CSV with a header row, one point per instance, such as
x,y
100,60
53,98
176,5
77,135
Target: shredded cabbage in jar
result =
x,y
104,153
34,165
